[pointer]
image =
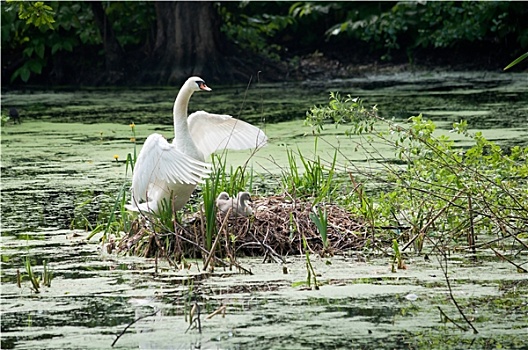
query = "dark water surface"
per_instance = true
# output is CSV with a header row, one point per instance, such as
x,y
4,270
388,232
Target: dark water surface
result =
x,y
62,156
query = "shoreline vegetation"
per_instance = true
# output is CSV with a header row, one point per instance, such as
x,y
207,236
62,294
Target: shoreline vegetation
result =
x,y
434,195
94,44
435,200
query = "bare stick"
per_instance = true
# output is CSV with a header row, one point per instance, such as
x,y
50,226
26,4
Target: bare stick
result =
x,y
196,320
269,250
221,309
444,270
450,320
211,253
433,219
508,260
131,323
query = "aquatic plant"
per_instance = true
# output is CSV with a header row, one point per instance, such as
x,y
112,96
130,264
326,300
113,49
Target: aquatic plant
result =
x,y
320,219
313,179
436,191
4,118
311,275
114,220
35,280
398,259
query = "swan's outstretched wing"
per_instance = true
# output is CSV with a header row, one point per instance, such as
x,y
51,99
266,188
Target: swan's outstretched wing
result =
x,y
214,132
160,161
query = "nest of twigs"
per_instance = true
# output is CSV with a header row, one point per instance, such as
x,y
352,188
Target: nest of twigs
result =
x,y
279,226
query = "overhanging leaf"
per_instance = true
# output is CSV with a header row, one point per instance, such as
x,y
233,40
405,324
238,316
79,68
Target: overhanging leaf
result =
x,y
518,60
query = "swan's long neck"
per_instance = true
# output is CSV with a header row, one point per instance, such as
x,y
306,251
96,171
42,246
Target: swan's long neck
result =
x,y
182,136
181,104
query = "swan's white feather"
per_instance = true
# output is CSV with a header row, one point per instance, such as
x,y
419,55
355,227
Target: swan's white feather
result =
x,y
169,172
160,162
215,132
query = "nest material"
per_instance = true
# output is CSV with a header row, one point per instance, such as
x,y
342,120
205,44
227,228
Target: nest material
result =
x,y
276,230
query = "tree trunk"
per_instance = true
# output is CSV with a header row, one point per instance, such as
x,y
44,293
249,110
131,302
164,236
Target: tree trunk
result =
x,y
188,42
113,51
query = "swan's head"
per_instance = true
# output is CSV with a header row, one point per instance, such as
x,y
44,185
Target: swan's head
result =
x,y
223,196
243,197
196,84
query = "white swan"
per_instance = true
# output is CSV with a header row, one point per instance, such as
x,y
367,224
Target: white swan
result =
x,y
170,171
239,205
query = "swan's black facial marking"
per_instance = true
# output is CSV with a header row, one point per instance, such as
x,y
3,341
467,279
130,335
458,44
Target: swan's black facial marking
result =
x,y
202,86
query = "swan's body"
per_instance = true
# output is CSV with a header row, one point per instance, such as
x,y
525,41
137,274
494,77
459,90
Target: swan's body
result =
x,y
238,205
170,171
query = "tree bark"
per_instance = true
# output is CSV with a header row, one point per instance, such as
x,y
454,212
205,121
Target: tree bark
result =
x,y
188,42
113,51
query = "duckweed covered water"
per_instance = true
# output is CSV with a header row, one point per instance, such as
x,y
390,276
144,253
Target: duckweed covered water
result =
x,y
62,155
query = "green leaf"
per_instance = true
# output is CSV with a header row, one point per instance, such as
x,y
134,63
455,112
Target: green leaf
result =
x,y
39,50
35,66
28,51
518,60
67,45
24,74
56,47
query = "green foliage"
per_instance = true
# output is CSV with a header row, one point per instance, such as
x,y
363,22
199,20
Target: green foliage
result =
x,y
254,32
437,190
440,24
356,114
229,180
132,21
232,180
71,25
34,34
398,259
311,275
4,118
210,192
36,13
35,281
314,180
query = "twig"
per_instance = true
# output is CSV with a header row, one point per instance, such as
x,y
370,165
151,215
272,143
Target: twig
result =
x,y
221,309
471,233
195,308
211,253
450,320
433,219
131,323
444,270
198,246
508,260
269,250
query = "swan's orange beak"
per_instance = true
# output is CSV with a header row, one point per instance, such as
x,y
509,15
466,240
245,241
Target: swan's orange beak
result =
x,y
203,87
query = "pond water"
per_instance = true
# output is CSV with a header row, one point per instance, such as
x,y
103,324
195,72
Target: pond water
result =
x,y
62,155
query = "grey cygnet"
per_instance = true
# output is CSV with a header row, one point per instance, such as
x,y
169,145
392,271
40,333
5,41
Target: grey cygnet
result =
x,y
239,205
